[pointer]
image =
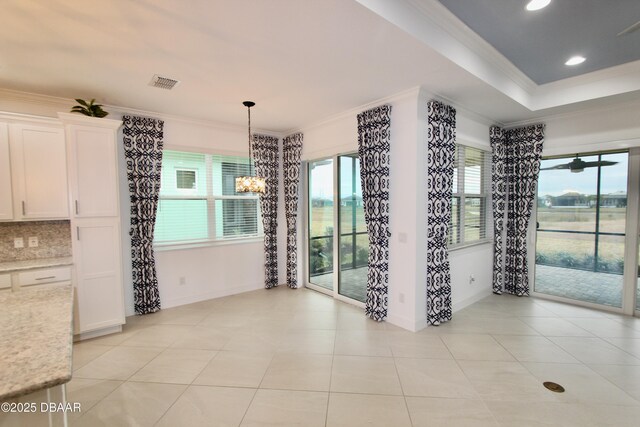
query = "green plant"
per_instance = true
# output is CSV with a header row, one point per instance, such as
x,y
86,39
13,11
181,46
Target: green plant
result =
x,y
89,108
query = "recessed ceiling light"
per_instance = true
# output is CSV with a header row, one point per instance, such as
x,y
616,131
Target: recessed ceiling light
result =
x,y
537,4
575,60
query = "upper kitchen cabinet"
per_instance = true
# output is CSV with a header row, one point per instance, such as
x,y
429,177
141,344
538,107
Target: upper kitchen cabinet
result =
x,y
38,172
92,156
6,202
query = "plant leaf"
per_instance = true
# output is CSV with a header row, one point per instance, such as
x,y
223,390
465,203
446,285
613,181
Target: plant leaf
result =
x,y
82,102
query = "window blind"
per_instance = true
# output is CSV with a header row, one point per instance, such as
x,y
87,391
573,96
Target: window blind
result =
x,y
198,201
471,190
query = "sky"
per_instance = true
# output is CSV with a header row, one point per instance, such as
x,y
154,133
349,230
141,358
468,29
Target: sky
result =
x,y
557,182
551,182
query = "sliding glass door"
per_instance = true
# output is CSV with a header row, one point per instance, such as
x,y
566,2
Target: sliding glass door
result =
x,y
581,223
354,243
335,211
320,223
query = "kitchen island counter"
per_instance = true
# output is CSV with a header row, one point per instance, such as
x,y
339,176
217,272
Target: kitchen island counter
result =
x,y
36,340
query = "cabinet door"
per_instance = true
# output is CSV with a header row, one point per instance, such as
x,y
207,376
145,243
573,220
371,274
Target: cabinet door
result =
x,y
98,273
6,201
93,171
39,171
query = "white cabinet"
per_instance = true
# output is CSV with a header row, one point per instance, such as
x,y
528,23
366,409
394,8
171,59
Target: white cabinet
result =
x,y
92,172
97,256
6,198
38,171
95,222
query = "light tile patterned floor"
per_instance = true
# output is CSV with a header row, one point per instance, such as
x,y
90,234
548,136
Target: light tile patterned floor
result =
x,y
296,357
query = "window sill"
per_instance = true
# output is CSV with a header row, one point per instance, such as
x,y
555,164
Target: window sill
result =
x,y
470,245
162,247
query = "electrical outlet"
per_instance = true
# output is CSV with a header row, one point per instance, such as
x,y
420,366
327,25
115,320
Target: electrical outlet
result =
x,y
18,243
33,242
183,281
402,237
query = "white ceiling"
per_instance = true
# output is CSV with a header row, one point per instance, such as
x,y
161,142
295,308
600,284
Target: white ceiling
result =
x,y
301,61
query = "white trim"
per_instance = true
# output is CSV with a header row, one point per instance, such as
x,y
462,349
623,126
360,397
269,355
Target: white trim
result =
x,y
95,122
190,299
97,333
28,118
575,302
179,246
60,103
459,305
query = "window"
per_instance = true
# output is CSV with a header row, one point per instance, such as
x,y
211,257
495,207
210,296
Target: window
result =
x,y
186,179
198,202
470,196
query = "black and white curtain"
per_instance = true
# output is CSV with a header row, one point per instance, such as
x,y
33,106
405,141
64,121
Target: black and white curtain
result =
x,y
498,202
373,151
523,151
143,143
291,151
265,157
441,137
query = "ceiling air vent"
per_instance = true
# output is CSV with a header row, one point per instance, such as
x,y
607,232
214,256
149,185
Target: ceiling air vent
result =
x,y
163,82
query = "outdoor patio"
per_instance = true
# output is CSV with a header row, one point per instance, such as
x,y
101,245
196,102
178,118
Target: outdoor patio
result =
x,y
598,288
354,283
589,286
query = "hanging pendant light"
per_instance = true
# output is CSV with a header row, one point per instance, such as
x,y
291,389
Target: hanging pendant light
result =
x,y
250,183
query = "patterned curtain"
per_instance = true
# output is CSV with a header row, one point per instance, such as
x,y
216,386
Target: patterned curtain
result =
x,y
523,148
441,137
373,151
291,151
142,139
498,199
265,157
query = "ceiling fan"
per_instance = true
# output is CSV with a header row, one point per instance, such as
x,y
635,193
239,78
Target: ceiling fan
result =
x,y
578,165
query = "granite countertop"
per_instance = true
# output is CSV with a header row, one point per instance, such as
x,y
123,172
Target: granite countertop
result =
x,y
36,340
9,266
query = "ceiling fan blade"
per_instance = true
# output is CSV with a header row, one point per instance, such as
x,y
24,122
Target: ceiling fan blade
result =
x,y
601,163
607,163
563,166
630,29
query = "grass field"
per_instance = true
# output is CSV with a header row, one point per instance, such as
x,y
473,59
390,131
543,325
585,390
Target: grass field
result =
x,y
557,248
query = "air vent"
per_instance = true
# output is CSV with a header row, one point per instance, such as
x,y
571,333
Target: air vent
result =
x,y
163,82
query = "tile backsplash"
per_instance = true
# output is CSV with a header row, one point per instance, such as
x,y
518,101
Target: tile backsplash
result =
x,y
54,240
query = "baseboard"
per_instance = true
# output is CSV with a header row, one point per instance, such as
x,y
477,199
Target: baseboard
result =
x,y
190,299
457,306
97,333
403,322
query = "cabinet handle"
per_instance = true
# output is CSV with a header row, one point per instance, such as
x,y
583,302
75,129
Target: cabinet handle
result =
x,y
76,207
78,232
45,278
24,211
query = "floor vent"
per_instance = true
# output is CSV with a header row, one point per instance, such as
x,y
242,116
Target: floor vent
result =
x,y
163,82
553,387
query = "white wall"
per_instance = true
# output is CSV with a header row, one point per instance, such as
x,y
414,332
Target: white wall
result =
x,y
475,260
210,271
407,248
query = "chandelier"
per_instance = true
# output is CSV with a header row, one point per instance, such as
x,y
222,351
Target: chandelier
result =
x,y
250,183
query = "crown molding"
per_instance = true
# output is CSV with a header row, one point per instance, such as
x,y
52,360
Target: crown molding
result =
x,y
438,28
412,92
58,104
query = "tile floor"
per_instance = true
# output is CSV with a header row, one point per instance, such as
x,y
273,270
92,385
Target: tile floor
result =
x,y
285,357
